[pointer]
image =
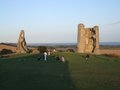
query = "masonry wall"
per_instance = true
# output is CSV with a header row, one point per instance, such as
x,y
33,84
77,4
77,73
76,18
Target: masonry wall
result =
x,y
88,39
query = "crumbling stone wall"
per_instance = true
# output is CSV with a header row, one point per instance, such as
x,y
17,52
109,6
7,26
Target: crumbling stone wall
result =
x,y
88,39
22,46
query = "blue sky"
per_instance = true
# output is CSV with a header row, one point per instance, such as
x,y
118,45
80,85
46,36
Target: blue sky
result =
x,y
56,21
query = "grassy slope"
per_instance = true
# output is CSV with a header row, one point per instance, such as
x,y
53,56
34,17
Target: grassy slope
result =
x,y
99,72
27,73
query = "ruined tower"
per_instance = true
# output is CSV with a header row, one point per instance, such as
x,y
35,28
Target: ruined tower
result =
x,y
21,45
88,39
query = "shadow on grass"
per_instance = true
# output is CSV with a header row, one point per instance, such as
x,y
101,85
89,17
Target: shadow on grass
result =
x,y
32,74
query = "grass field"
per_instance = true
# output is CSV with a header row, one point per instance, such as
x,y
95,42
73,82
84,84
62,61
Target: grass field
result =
x,y
25,72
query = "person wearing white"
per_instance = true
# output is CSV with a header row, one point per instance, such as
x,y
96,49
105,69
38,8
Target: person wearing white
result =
x,y
63,59
45,56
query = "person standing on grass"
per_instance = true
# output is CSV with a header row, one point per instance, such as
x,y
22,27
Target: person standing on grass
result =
x,y
87,56
45,56
63,59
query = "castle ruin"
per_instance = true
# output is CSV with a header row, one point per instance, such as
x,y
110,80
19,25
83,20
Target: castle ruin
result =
x,y
88,39
21,45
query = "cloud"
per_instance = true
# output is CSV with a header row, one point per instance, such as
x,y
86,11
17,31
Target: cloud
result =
x,y
115,23
110,24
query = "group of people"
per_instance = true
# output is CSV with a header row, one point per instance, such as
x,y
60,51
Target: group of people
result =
x,y
58,58
46,54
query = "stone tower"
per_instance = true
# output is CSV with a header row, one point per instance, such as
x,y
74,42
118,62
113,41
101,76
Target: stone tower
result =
x,y
88,39
21,46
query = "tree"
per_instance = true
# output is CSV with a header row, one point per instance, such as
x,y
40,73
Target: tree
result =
x,y
42,49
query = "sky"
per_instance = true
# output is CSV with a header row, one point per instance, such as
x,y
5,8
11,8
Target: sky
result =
x,y
56,21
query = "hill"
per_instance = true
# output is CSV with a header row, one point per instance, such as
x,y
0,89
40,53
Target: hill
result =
x,y
25,72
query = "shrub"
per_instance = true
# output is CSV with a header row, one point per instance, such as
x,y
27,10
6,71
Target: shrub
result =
x,y
6,51
70,50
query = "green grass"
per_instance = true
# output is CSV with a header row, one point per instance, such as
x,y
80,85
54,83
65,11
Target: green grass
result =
x,y
25,72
